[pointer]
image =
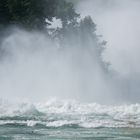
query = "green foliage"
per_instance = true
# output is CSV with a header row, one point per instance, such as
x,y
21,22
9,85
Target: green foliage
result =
x,y
4,13
74,1
78,32
33,13
66,12
82,34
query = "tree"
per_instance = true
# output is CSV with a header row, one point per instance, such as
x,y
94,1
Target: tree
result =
x,y
4,12
80,32
83,34
66,12
33,13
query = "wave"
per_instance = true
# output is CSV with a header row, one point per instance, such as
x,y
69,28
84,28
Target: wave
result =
x,y
56,113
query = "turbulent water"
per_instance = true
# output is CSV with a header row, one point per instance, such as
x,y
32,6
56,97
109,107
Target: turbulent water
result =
x,y
57,119
35,73
33,67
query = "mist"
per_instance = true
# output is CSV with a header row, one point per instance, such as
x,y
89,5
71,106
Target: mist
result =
x,y
69,69
35,68
118,22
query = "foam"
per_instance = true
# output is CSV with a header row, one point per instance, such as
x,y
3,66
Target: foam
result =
x,y
57,113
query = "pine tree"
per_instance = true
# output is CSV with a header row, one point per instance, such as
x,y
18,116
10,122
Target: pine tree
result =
x,y
33,13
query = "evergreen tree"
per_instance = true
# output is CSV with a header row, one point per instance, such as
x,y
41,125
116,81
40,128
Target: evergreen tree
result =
x,y
33,13
83,34
4,12
66,12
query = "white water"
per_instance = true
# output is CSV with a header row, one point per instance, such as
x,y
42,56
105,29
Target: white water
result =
x,y
35,69
39,80
56,113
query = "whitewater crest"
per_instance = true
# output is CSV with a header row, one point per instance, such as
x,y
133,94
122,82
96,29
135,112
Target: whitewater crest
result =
x,y
57,113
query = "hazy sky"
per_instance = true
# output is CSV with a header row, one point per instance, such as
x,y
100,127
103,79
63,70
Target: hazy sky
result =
x,y
118,21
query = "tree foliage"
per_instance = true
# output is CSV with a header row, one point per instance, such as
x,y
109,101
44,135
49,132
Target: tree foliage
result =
x,y
66,12
83,34
37,14
33,13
